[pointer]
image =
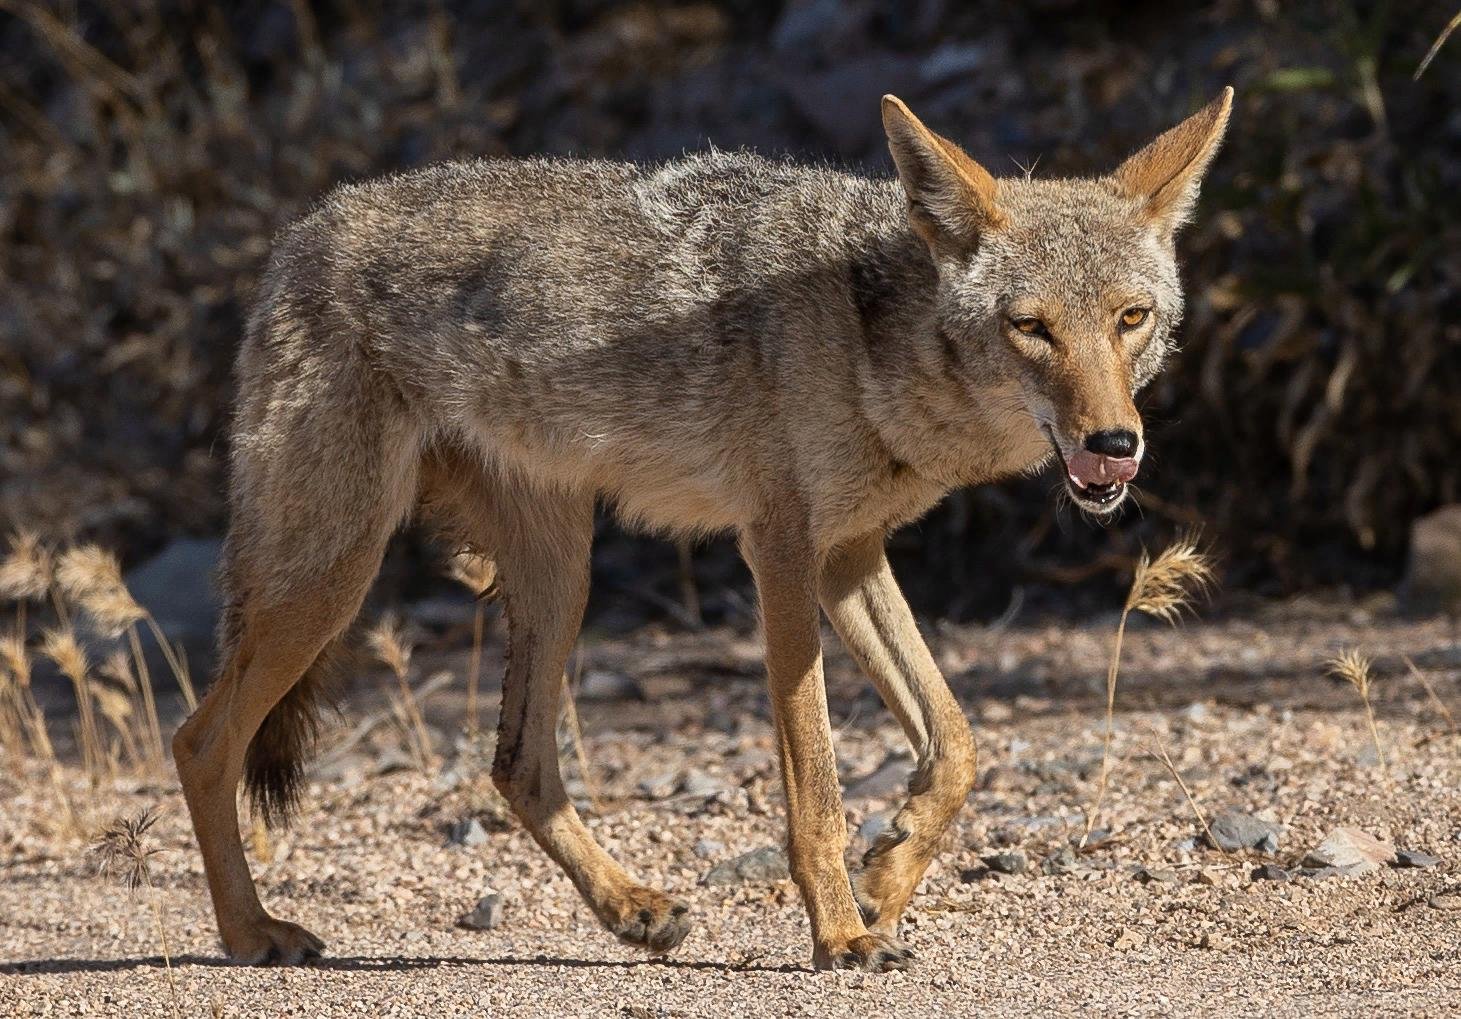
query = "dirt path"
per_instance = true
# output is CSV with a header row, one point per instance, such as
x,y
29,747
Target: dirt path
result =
x,y
686,780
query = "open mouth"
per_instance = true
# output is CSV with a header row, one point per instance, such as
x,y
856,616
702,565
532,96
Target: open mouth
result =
x,y
1098,497
1097,483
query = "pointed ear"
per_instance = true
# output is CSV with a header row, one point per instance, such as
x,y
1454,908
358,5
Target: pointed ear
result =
x,y
1165,175
951,198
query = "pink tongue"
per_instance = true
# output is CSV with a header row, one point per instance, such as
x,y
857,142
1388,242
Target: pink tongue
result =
x,y
1088,468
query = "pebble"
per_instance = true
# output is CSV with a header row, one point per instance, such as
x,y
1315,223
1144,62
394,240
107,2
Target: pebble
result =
x,y
486,915
1352,850
1319,873
1013,861
1415,858
1158,875
874,826
707,848
762,865
1233,830
467,832
657,787
1063,861
1269,872
603,685
1128,939
701,783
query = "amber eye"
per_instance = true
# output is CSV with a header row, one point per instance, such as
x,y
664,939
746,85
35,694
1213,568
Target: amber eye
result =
x,y
1133,317
1031,327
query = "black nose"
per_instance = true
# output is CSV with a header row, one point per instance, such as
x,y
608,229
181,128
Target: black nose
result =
x,y
1117,442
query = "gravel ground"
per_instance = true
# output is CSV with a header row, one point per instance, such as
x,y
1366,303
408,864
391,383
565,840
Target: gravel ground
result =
x,y
682,770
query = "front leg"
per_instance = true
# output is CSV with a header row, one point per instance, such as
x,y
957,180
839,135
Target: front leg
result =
x,y
868,611
786,568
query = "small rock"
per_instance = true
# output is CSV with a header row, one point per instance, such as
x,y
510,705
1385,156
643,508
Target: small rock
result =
x,y
1269,872
1063,861
467,832
602,685
1159,875
657,787
1415,858
1319,873
392,760
1128,939
874,826
1352,850
486,915
700,783
1233,830
1197,711
707,848
762,865
1013,861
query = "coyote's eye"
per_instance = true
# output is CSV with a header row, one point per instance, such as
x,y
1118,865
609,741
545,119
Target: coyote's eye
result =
x,y
1031,327
1133,317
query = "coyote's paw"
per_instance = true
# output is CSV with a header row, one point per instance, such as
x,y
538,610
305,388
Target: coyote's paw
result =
x,y
649,919
877,953
271,942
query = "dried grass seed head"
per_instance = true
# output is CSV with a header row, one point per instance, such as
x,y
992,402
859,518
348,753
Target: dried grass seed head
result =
x,y
1354,668
477,573
123,852
25,572
388,643
92,577
1165,587
62,647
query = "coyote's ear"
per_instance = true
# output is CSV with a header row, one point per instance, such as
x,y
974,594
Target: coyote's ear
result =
x,y
951,198
1165,175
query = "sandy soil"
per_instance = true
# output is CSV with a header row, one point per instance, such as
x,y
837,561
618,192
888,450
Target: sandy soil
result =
x,y
681,764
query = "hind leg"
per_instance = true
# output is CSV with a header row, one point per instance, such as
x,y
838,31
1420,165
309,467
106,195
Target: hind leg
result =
x,y
540,542
306,541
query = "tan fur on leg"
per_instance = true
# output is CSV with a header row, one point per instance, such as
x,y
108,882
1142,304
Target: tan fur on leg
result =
x,y
785,570
867,609
543,576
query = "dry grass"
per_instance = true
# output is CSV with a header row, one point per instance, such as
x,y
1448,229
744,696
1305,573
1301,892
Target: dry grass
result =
x,y
478,574
1430,690
387,641
1158,751
1354,669
64,650
123,854
1162,588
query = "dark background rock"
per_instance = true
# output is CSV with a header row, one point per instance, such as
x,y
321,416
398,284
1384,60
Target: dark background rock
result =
x,y
1433,563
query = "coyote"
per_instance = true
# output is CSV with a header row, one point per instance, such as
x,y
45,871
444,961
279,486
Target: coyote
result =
x,y
800,356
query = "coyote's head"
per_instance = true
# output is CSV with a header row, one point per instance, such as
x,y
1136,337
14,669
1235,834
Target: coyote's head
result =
x,y
1069,288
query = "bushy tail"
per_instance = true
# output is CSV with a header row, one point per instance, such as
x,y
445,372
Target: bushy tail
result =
x,y
275,762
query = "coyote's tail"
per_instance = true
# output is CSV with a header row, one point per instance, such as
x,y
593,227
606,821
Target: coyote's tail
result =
x,y
276,758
